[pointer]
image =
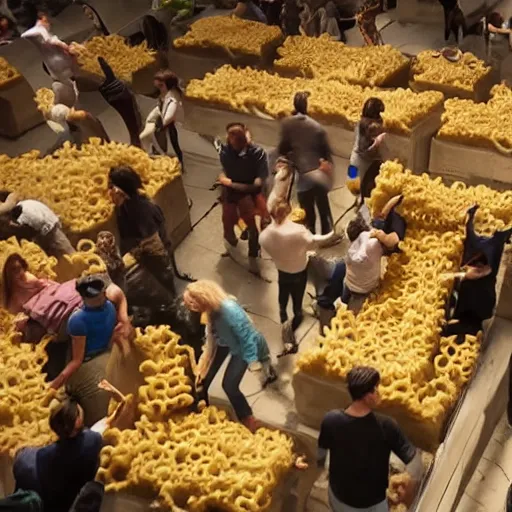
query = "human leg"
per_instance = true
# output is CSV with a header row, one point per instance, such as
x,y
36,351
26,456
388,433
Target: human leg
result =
x,y
229,221
324,209
55,243
173,136
284,295
297,292
307,203
247,211
231,385
220,356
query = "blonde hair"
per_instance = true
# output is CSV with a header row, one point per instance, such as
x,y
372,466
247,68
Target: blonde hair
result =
x,y
280,211
206,295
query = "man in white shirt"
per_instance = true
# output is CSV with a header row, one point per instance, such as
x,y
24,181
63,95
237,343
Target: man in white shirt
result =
x,y
45,225
364,256
287,243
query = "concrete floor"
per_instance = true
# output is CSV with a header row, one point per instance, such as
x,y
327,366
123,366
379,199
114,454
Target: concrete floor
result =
x,y
200,254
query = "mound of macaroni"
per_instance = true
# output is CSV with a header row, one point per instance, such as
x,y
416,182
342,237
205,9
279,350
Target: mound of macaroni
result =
x,y
230,33
73,182
431,69
257,92
487,125
45,101
323,58
196,461
398,330
122,58
24,395
8,73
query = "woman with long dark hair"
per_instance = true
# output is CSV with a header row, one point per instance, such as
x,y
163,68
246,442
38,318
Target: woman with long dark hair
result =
x,y
369,132
161,121
497,35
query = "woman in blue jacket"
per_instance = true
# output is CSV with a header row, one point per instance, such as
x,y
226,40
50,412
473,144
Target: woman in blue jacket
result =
x,y
229,332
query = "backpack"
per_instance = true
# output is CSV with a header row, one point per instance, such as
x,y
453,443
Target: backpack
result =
x,y
22,501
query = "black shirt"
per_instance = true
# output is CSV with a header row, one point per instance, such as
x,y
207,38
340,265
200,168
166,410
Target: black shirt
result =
x,y
243,167
359,455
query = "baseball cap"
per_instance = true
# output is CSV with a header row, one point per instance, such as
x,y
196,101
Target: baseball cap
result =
x,y
90,286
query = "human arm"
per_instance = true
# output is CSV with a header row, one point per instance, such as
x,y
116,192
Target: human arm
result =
x,y
11,201
389,241
239,10
77,357
497,30
284,147
314,240
472,273
123,329
170,113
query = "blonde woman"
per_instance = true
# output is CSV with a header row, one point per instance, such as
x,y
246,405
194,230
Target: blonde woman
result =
x,y
229,332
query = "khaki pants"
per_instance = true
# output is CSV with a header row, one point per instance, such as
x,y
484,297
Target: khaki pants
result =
x,y
55,243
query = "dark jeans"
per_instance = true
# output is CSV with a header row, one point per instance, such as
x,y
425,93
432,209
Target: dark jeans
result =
x,y
334,289
293,285
316,196
173,135
231,381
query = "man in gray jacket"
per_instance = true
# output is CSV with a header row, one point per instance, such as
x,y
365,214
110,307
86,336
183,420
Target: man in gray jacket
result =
x,y
304,142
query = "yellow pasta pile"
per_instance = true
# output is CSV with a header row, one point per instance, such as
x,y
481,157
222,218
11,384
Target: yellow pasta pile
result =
x,y
230,33
122,58
398,329
487,125
196,461
7,72
24,395
321,57
73,182
45,101
431,68
256,92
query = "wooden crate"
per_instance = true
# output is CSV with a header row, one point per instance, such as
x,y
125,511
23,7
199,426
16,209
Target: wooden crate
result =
x,y
472,165
412,150
19,111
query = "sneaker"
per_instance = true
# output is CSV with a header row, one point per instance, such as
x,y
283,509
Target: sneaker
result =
x,y
251,423
270,375
287,334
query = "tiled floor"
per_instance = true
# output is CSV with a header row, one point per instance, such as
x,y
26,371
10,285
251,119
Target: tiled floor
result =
x,y
200,253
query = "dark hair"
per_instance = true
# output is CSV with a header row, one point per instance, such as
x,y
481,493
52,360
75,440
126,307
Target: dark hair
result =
x,y
63,419
126,179
4,194
6,282
10,23
170,80
300,102
495,19
362,380
16,212
235,124
373,108
356,227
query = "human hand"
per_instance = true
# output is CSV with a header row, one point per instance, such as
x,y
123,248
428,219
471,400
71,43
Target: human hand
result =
x,y
255,366
224,180
476,272
57,382
199,380
301,463
325,166
377,233
20,321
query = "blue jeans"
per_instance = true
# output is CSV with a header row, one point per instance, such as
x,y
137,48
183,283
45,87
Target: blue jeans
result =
x,y
231,382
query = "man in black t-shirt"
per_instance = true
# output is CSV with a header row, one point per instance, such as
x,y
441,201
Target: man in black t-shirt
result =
x,y
360,443
245,170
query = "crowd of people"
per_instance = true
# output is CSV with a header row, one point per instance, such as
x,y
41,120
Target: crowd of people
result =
x,y
89,316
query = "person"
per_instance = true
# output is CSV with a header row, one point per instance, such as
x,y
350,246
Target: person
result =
x,y
369,134
59,471
290,18
454,19
229,332
93,328
108,251
287,244
272,10
245,169
498,40
359,443
363,260
7,30
305,143
141,225
366,20
40,219
161,121
248,10
476,283
329,21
